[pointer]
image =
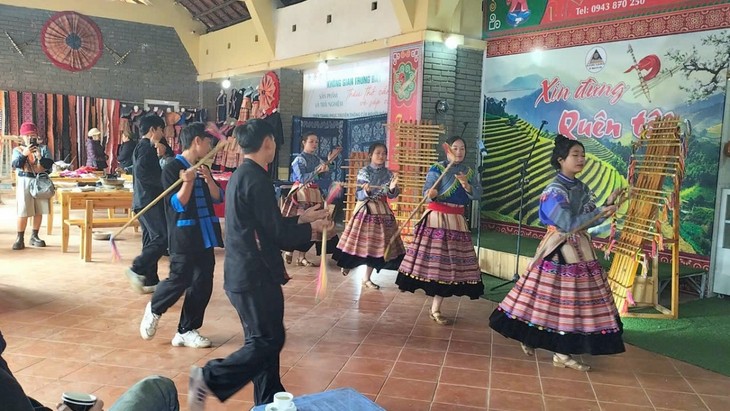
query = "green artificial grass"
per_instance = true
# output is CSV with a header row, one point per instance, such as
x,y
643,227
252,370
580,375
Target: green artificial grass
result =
x,y
700,336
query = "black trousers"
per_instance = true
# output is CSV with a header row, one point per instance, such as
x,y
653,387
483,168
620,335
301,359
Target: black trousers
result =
x,y
191,274
154,243
261,311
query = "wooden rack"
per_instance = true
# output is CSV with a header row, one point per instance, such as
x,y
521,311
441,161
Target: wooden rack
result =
x,y
415,150
657,162
356,161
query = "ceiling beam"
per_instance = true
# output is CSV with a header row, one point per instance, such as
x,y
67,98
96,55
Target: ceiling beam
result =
x,y
262,15
405,11
216,8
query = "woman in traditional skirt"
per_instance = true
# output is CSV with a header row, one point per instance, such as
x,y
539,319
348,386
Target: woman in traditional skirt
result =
x,y
441,259
563,303
305,193
373,224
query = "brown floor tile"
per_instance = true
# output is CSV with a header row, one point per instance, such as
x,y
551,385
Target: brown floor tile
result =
x,y
663,382
436,331
386,339
675,400
402,404
547,369
308,379
508,401
451,407
515,366
53,368
716,403
320,361
609,406
423,343
336,348
464,377
572,404
119,376
508,351
413,371
409,389
362,383
421,356
626,379
457,395
661,365
515,383
368,366
719,387
474,362
17,362
469,347
566,388
484,337
381,352
623,395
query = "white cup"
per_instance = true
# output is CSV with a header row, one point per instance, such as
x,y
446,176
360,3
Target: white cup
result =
x,y
283,400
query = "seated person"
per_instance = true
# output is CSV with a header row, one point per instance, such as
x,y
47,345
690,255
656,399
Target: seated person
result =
x,y
153,393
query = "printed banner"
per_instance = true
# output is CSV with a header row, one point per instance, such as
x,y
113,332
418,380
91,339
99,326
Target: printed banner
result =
x,y
500,15
406,86
603,94
347,90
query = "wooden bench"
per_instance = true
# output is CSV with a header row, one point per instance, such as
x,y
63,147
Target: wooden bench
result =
x,y
89,222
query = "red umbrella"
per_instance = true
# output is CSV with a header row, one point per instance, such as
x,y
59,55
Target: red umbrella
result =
x,y
71,41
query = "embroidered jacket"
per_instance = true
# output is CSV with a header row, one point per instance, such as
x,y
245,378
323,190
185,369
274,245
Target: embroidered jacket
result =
x,y
378,177
567,204
450,189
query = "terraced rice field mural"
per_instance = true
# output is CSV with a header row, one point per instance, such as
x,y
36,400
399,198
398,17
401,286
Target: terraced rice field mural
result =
x,y
508,145
602,95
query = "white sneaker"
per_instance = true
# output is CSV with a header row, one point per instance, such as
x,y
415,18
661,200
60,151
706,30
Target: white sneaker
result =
x,y
191,339
148,326
197,390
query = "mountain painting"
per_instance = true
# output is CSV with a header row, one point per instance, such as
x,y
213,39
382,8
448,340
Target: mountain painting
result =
x,y
602,95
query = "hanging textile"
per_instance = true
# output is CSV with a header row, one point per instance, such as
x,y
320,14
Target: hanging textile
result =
x,y
64,121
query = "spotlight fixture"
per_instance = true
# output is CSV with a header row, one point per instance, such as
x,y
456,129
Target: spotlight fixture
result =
x,y
226,83
442,106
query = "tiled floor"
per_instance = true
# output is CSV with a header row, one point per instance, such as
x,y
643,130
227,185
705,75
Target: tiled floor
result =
x,y
74,326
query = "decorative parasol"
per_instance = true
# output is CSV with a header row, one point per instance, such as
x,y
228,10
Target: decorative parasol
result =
x,y
71,41
269,93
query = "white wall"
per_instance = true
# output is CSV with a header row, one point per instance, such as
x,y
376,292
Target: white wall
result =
x,y
315,35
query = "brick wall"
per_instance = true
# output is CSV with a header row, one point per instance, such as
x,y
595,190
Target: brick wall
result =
x,y
454,76
157,68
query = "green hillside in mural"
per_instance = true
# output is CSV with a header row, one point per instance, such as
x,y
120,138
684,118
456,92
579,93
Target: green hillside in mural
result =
x,y
508,145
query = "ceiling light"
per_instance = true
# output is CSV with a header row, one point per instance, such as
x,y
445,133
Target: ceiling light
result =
x,y
226,83
452,42
323,67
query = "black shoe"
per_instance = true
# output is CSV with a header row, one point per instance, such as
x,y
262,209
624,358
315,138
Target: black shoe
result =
x,y
37,242
19,244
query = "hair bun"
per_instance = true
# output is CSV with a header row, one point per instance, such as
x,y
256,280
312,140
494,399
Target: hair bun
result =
x,y
561,139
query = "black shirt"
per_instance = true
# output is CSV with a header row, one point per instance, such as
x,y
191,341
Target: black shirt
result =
x,y
193,227
147,174
251,213
125,153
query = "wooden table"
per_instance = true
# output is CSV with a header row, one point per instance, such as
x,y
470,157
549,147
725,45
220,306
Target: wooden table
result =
x,y
60,182
67,197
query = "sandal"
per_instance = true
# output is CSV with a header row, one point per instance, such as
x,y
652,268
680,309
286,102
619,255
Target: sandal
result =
x,y
370,284
529,351
345,271
288,257
436,316
304,262
570,363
